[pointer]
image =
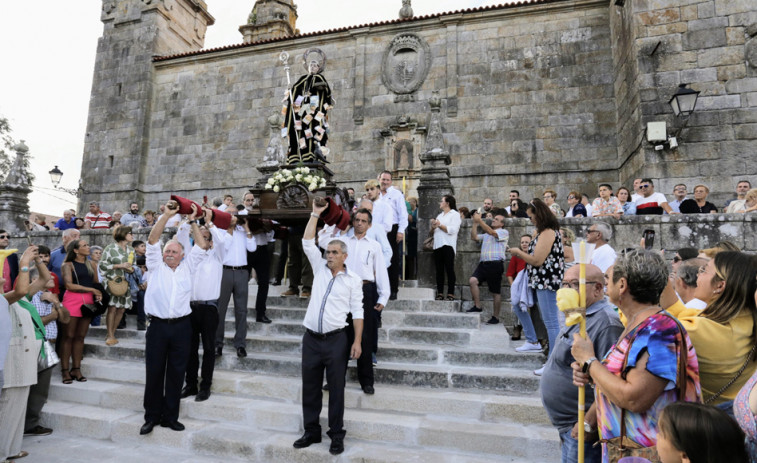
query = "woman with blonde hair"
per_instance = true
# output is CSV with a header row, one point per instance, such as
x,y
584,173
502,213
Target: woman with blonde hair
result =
x,y
549,197
117,260
699,204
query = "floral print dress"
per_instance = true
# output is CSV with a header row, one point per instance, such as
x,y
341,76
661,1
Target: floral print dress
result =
x,y
113,255
549,274
746,418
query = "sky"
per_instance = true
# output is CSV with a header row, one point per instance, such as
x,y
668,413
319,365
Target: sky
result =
x,y
48,55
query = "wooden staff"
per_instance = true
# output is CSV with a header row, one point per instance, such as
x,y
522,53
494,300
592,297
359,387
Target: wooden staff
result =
x,y
582,389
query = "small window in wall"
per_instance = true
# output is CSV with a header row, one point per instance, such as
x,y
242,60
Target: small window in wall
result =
x,y
118,89
110,159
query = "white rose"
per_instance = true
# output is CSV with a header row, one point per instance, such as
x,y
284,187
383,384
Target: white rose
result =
x,y
312,186
268,187
306,170
323,182
286,172
276,188
298,177
271,181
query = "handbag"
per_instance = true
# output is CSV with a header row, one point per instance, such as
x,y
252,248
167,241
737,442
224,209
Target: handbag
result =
x,y
96,308
118,286
622,446
428,243
47,358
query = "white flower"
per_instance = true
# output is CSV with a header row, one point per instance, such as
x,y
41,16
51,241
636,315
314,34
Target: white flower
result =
x,y
312,186
323,182
276,188
306,170
271,181
286,172
268,186
298,177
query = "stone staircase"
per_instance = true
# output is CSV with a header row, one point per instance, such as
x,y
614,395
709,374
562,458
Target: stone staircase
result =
x,y
448,389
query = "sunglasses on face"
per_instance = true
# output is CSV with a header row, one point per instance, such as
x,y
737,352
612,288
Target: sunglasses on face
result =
x,y
645,186
4,237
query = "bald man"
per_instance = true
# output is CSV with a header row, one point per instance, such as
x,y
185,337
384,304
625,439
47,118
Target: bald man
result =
x,y
558,394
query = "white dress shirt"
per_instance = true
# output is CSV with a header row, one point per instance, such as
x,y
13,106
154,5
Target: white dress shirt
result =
x,y
376,234
208,265
238,247
332,297
603,257
364,257
452,221
399,209
382,214
169,291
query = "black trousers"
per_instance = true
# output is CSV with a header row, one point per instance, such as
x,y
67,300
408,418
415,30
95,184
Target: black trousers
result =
x,y
260,260
396,268
370,333
166,354
204,320
319,354
444,259
37,398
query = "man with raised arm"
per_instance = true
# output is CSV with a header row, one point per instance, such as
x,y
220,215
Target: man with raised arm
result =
x,y
337,291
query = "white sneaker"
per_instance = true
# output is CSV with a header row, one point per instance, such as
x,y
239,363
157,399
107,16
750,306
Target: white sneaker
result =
x,y
529,347
539,371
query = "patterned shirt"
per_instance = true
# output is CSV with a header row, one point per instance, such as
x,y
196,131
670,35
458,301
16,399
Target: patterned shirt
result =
x,y
600,206
44,309
659,336
101,220
549,274
493,249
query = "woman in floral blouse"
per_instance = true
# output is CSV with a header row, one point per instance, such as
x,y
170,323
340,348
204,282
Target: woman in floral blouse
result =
x,y
546,264
115,262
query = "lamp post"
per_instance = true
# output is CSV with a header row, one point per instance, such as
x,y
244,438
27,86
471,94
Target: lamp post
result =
x,y
684,101
55,176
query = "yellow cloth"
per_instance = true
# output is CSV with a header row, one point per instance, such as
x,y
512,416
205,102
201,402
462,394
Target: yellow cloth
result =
x,y
721,349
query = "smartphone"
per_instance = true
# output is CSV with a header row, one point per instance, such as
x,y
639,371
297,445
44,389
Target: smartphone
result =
x,y
648,236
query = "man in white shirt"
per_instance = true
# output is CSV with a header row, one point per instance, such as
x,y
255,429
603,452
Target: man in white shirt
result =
x,y
399,223
382,211
236,277
636,189
367,261
168,336
337,291
686,282
210,242
514,194
375,233
604,255
260,261
679,195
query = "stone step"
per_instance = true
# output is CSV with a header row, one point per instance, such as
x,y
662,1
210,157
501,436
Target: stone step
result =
x,y
412,374
411,291
123,417
399,305
497,356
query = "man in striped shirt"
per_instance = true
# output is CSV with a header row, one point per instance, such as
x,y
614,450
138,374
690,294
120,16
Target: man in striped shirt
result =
x,y
96,218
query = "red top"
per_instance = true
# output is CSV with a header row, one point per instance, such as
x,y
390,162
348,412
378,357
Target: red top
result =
x,y
515,266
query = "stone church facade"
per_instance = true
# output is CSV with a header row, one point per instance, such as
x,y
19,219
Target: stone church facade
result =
x,y
555,93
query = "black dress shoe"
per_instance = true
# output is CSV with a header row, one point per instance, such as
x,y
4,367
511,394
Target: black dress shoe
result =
x,y
241,352
219,351
202,396
263,319
306,440
325,387
188,391
337,446
147,428
175,425
369,390
392,297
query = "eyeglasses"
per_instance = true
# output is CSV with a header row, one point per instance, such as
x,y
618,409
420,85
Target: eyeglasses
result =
x,y
702,270
571,197
645,186
5,237
575,284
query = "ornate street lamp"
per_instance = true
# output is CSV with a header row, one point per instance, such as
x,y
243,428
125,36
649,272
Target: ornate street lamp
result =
x,y
684,101
55,176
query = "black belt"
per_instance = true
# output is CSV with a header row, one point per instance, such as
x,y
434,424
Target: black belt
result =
x,y
324,335
154,319
231,267
213,303
369,282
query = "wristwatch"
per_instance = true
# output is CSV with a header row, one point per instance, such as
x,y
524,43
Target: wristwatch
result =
x,y
587,427
585,367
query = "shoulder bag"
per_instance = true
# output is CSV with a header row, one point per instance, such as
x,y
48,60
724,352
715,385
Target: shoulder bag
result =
x,y
428,243
96,308
621,446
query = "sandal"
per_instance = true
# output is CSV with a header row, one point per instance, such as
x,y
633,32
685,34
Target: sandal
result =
x,y
80,378
111,342
66,376
20,454
440,297
450,297
517,331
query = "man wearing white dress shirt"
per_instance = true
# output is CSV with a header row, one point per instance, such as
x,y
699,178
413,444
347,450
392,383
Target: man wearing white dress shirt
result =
x,y
366,259
236,277
168,336
604,255
382,211
399,223
337,291
210,242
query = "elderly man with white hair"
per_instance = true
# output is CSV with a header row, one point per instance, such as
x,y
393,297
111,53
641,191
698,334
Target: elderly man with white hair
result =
x,y
604,255
68,221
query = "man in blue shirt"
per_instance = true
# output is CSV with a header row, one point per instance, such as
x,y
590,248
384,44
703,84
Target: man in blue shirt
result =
x,y
67,222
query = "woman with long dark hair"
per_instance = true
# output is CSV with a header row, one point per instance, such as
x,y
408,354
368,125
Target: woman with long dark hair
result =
x,y
79,277
546,265
445,227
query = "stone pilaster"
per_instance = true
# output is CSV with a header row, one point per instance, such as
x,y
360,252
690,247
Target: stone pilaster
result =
x,y
14,193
